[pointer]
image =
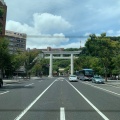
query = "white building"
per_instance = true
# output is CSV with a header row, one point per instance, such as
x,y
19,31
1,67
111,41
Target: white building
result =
x,y
17,41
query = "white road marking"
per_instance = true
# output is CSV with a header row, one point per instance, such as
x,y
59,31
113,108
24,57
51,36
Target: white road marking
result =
x,y
29,85
62,113
25,111
103,89
95,108
4,92
58,80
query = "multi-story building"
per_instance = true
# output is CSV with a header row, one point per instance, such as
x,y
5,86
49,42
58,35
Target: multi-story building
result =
x,y
3,11
17,41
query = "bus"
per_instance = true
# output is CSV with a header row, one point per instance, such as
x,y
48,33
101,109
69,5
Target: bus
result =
x,y
85,74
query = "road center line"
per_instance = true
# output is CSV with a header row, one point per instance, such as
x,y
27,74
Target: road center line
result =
x,y
95,108
62,113
25,111
103,89
29,85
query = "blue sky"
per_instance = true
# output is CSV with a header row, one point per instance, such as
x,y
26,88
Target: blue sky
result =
x,y
62,23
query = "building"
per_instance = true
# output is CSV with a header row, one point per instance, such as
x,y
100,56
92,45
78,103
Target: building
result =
x,y
17,41
50,49
3,11
54,49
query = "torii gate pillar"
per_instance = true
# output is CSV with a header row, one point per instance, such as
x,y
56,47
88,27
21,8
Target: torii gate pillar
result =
x,y
72,64
50,68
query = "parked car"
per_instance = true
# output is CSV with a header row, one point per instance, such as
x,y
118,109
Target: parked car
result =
x,y
1,82
73,78
98,79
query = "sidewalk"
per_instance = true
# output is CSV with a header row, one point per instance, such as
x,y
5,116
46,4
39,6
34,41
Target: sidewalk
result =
x,y
18,80
113,82
36,78
12,81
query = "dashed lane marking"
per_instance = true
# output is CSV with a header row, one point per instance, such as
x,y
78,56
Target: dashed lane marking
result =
x,y
4,92
62,113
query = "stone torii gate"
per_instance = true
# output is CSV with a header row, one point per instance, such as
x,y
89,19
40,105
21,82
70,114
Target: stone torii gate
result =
x,y
60,55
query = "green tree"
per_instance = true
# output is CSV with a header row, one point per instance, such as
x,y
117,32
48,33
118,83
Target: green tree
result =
x,y
1,15
40,66
31,61
116,65
18,60
103,48
4,54
71,49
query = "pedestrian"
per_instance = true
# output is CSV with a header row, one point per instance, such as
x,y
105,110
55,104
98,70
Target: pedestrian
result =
x,y
117,77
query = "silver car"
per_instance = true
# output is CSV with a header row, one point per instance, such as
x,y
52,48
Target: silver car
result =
x,y
98,79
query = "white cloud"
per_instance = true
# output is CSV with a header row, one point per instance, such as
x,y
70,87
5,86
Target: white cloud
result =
x,y
87,34
37,35
118,33
71,45
47,40
18,27
74,45
110,32
67,17
42,23
50,23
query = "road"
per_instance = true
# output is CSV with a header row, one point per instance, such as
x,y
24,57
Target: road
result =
x,y
59,99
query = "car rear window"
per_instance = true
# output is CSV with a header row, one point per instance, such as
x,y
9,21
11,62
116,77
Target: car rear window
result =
x,y
72,76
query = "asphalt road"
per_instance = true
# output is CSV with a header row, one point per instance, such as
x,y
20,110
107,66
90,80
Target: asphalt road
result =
x,y
59,99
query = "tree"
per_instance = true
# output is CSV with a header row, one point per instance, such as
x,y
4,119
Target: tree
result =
x,y
40,66
31,61
1,16
18,60
85,61
116,65
71,49
103,48
4,55
82,62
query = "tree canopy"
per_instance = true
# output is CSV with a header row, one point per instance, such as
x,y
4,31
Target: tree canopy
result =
x,y
103,48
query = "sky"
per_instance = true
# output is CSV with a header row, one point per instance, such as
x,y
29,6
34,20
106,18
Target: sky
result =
x,y
62,23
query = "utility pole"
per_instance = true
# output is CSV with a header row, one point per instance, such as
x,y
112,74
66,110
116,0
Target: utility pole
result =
x,y
80,44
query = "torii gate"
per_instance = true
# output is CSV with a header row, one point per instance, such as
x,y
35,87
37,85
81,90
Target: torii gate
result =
x,y
61,56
